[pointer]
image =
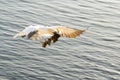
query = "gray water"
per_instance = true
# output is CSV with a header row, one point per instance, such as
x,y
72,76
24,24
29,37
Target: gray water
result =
x,y
92,56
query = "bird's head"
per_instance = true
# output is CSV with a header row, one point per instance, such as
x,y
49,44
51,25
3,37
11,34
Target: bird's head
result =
x,y
20,34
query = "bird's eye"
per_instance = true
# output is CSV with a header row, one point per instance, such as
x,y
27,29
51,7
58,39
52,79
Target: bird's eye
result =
x,y
23,36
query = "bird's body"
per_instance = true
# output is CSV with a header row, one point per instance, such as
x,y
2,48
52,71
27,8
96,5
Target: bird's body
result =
x,y
47,35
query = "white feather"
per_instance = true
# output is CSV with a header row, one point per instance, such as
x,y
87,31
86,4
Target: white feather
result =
x,y
30,28
44,37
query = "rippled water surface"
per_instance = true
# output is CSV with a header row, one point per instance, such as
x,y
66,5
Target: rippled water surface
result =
x,y
95,55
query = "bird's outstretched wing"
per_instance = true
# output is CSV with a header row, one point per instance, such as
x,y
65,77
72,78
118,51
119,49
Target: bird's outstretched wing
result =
x,y
68,32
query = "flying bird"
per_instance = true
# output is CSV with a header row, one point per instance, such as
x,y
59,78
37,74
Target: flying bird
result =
x,y
47,35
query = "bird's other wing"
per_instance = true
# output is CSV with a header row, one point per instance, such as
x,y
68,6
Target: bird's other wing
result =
x,y
68,32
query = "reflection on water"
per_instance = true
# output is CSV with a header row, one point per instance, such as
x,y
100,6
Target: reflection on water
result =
x,y
93,56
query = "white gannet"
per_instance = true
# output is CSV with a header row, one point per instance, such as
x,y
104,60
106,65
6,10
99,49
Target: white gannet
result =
x,y
47,35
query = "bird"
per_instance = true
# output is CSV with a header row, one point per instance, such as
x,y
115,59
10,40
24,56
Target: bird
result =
x,y
47,35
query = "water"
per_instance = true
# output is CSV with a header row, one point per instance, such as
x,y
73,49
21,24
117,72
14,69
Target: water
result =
x,y
92,56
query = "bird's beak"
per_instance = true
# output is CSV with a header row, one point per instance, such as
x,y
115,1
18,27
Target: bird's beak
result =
x,y
21,34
